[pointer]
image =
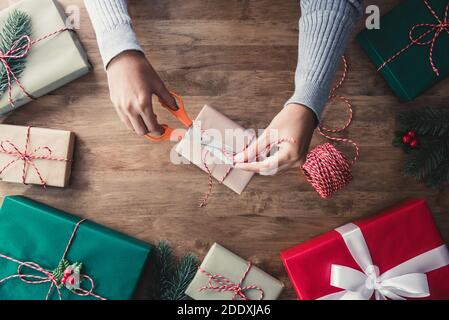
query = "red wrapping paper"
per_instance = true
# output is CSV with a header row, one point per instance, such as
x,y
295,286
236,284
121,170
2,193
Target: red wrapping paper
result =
x,y
394,236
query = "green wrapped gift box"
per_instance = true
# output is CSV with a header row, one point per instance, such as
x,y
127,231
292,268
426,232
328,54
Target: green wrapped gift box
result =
x,y
35,233
411,72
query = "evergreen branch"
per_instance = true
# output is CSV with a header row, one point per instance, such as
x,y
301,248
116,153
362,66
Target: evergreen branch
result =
x,y
426,121
430,162
165,265
183,275
17,25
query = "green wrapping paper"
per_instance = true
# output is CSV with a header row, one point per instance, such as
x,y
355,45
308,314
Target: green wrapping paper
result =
x,y
31,231
221,261
410,73
50,63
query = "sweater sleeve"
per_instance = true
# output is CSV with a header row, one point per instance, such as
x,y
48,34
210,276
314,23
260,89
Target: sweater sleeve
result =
x,y
324,30
113,28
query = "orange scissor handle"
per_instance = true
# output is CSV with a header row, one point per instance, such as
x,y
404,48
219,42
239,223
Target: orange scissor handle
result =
x,y
179,114
163,137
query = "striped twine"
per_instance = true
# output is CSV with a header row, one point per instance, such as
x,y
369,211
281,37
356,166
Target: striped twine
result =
x,y
220,283
47,276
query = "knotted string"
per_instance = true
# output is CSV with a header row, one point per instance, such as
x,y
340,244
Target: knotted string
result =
x,y
220,283
326,168
17,52
437,28
27,157
231,156
47,276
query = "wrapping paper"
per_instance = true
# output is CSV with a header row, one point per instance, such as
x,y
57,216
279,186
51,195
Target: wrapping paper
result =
x,y
55,173
190,147
31,231
393,237
409,74
221,261
50,63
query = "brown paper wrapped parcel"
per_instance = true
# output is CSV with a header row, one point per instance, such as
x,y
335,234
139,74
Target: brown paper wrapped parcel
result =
x,y
55,173
223,262
50,63
193,148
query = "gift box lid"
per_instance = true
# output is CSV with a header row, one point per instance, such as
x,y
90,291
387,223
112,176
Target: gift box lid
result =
x,y
398,234
34,232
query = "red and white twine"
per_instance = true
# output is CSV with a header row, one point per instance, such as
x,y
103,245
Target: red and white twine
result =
x,y
326,168
437,28
27,157
220,283
47,276
19,52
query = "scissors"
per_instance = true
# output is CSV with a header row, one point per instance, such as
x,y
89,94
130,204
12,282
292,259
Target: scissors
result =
x,y
179,114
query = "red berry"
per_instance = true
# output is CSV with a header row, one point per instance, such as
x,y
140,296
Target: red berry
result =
x,y
411,134
406,139
413,143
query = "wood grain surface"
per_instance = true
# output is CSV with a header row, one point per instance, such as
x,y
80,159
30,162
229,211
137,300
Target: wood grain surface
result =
x,y
239,56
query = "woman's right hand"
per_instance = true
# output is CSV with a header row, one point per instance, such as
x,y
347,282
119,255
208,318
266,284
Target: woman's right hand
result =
x,y
132,83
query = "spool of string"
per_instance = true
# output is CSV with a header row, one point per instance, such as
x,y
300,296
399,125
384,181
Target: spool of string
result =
x,y
326,168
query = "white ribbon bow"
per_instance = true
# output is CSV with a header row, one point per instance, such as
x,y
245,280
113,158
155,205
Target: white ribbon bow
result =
x,y
406,280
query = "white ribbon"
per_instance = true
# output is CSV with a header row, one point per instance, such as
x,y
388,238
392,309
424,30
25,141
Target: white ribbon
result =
x,y
406,280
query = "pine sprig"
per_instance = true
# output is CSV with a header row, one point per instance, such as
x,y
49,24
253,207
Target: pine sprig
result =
x,y
166,265
173,277
431,157
183,275
17,25
428,159
426,121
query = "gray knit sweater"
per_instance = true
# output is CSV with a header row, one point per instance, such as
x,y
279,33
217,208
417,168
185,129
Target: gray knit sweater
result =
x,y
325,27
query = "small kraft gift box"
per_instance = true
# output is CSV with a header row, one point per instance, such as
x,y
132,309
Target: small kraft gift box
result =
x,y
46,253
203,145
31,155
398,254
410,47
39,53
224,275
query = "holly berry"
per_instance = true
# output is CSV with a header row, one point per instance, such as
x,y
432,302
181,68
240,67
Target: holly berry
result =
x,y
407,139
411,134
414,143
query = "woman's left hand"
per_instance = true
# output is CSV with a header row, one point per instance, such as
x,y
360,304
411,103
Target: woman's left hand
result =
x,y
295,122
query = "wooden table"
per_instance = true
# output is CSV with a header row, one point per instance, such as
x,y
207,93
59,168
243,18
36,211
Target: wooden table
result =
x,y
238,56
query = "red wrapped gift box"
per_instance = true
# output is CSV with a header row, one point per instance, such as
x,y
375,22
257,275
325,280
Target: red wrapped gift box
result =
x,y
400,254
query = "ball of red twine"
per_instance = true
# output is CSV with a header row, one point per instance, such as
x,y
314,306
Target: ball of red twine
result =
x,y
327,170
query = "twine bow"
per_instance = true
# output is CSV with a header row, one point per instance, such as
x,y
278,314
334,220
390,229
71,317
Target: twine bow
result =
x,y
46,276
220,283
436,28
26,156
17,52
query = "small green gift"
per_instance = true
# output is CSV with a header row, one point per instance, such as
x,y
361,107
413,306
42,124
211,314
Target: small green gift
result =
x,y
47,253
410,48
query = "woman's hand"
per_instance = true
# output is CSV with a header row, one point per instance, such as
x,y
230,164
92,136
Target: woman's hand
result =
x,y
132,83
295,122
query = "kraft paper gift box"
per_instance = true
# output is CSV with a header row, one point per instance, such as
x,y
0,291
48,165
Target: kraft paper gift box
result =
x,y
54,170
50,63
33,232
222,262
397,254
191,148
411,72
